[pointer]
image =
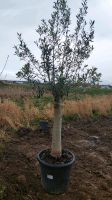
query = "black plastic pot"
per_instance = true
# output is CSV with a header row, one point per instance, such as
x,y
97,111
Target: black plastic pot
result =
x,y
55,177
44,126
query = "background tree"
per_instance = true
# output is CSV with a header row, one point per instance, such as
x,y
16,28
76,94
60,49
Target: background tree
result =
x,y
62,58
25,73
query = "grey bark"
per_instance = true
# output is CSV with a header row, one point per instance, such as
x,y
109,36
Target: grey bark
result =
x,y
56,149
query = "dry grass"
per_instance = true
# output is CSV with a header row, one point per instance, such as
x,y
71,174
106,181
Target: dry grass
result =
x,y
30,112
87,107
15,92
10,115
48,112
101,105
13,116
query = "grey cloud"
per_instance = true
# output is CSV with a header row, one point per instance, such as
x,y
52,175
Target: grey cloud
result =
x,y
25,15
101,11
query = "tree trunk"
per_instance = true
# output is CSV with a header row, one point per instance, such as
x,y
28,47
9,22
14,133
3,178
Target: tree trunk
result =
x,y
56,149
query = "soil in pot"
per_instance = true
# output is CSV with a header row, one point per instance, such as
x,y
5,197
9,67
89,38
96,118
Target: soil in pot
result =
x,y
65,158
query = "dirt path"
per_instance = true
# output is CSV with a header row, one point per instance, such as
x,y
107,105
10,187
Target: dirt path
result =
x,y
91,177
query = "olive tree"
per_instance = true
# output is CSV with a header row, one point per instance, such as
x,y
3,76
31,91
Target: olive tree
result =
x,y
63,53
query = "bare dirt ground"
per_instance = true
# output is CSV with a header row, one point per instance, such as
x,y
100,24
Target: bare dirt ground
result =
x,y
91,176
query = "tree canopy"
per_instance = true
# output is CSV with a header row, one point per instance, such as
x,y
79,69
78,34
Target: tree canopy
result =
x,y
63,51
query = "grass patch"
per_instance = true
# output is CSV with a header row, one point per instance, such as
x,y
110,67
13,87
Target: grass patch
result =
x,y
91,91
69,118
42,102
2,191
2,150
4,136
31,110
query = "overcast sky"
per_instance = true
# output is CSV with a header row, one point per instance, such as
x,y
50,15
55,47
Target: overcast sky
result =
x,y
24,16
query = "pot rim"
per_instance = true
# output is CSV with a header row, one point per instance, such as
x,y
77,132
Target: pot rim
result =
x,y
60,165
